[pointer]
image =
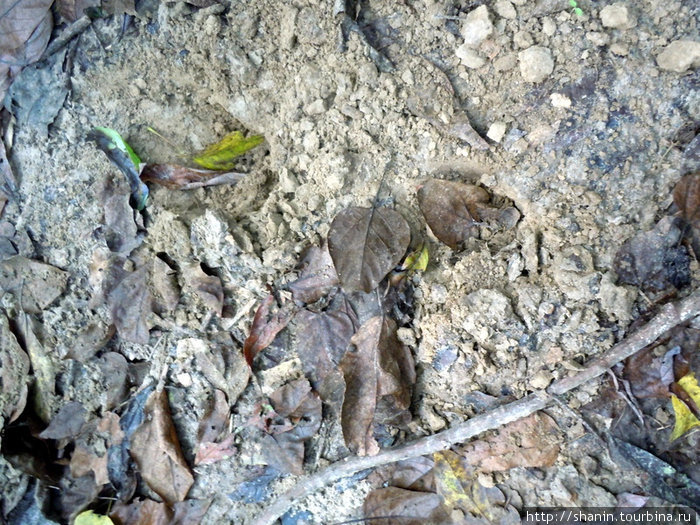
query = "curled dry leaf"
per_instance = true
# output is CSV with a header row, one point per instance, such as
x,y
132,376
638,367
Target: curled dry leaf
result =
x,y
379,375
38,284
156,450
366,244
182,178
317,276
654,260
532,441
71,10
14,373
210,428
299,417
451,209
265,328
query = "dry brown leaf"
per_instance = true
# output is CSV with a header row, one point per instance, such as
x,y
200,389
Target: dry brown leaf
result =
x,y
207,287
167,292
114,371
321,341
43,366
366,244
14,373
532,441
298,419
379,375
686,195
209,452
415,508
84,461
130,305
182,178
215,420
451,209
38,284
120,229
67,423
143,512
156,450
265,328
317,276
71,10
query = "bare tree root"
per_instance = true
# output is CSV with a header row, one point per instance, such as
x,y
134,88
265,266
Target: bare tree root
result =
x,y
671,315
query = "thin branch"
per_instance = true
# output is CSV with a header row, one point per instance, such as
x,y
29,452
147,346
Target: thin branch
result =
x,y
670,316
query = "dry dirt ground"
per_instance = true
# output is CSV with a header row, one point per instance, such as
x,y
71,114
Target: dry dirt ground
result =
x,y
588,132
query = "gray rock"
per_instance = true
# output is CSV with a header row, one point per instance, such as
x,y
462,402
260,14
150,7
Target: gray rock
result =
x,y
476,27
617,16
536,63
679,56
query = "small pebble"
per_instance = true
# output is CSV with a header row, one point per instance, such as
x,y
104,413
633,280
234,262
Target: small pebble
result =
x,y
536,63
496,131
505,9
549,27
522,39
597,38
679,56
506,62
620,49
469,57
559,100
617,16
477,26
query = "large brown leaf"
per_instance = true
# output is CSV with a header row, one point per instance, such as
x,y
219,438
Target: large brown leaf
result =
x,y
451,209
265,327
366,244
321,341
379,375
156,450
413,507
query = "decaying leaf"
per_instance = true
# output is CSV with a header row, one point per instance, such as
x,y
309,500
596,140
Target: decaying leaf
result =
x,y
317,276
299,417
223,366
14,373
165,287
365,244
413,507
379,375
8,183
532,441
451,209
67,423
643,370
686,419
120,229
207,287
130,304
686,195
38,284
25,29
71,10
156,450
222,155
43,393
84,461
265,328
149,512
210,452
321,341
182,178
654,260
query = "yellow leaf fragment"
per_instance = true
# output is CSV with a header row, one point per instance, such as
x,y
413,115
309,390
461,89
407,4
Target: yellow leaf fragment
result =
x,y
690,384
417,261
90,518
685,419
221,156
447,480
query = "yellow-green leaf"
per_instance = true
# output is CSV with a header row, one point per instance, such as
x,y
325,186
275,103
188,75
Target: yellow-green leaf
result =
x,y
90,518
220,156
690,385
447,482
417,261
685,419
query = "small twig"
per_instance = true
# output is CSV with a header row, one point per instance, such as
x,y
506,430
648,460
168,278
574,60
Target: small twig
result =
x,y
670,316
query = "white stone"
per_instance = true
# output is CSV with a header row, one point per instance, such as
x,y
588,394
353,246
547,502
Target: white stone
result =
x,y
679,56
549,27
505,9
469,57
617,16
522,39
536,63
559,100
620,49
496,131
477,26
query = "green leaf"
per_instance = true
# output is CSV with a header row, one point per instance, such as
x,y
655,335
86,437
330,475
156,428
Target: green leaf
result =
x,y
417,260
220,156
90,518
121,144
578,11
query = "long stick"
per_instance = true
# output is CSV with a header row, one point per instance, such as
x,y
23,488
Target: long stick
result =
x,y
671,315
